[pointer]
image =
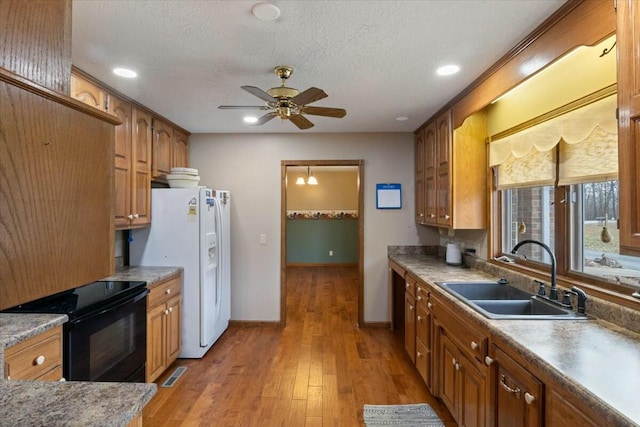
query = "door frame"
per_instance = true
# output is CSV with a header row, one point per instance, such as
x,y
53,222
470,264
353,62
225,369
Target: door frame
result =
x,y
283,234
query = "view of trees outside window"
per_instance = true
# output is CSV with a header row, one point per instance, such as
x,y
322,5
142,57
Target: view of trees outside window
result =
x,y
594,215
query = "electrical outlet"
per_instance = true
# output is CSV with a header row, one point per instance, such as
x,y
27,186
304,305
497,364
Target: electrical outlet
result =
x,y
263,239
330,253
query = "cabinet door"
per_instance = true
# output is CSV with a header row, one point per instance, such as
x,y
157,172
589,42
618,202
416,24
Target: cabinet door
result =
x,y
162,139
430,173
156,343
122,210
443,167
141,168
173,328
519,394
560,412
423,344
472,394
410,326
419,177
89,93
449,366
628,40
180,150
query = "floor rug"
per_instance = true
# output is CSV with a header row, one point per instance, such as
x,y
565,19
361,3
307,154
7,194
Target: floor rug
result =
x,y
417,415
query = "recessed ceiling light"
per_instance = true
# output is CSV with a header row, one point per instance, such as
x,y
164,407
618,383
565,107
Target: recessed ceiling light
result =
x,y
265,11
402,118
124,72
250,119
447,70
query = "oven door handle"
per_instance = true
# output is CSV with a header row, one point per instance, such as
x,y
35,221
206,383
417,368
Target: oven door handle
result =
x,y
111,307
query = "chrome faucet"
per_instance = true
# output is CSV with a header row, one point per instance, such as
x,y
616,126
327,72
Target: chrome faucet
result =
x,y
553,292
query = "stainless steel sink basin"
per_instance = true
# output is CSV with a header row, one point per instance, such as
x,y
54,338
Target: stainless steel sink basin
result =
x,y
499,300
486,290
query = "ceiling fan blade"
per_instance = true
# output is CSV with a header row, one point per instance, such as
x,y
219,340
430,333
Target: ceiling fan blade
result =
x,y
256,91
300,121
310,95
244,107
264,119
325,111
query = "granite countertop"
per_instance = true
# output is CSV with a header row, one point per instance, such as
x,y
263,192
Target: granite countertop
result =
x,y
86,404
151,275
595,360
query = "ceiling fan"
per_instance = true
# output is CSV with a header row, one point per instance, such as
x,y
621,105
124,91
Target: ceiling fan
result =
x,y
288,103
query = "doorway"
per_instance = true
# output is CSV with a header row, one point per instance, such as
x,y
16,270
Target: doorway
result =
x,y
285,165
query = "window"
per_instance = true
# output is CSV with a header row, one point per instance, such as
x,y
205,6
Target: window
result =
x,y
595,244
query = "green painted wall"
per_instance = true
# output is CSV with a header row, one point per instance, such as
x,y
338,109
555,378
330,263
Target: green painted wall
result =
x,y
309,241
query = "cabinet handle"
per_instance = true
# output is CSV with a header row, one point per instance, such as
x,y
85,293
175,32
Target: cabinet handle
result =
x,y
474,345
130,216
429,305
419,354
432,215
453,361
418,289
136,215
457,366
419,318
529,398
419,298
168,291
410,307
62,380
166,312
504,385
39,360
170,309
406,285
488,361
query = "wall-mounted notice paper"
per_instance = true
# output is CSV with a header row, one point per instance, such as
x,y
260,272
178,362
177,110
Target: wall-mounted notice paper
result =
x,y
388,196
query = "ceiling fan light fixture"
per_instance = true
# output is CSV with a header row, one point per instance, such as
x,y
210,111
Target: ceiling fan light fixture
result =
x,y
250,119
402,118
300,180
265,11
125,72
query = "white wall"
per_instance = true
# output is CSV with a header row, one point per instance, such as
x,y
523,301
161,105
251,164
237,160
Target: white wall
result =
x,y
249,166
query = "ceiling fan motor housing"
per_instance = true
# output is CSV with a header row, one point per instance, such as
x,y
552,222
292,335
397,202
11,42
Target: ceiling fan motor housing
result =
x,y
282,92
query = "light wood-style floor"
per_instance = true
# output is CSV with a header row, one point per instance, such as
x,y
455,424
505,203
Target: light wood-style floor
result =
x,y
317,371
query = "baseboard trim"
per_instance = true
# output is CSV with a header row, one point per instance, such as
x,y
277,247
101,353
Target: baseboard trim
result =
x,y
377,325
254,323
332,264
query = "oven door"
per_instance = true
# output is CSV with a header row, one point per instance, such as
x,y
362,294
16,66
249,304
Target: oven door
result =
x,y
108,344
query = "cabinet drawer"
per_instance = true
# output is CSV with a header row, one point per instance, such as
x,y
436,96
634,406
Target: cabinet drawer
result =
x,y
410,285
469,339
161,292
53,375
422,296
423,362
35,357
423,327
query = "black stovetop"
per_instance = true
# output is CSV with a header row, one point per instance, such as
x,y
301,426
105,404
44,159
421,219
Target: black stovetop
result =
x,y
82,299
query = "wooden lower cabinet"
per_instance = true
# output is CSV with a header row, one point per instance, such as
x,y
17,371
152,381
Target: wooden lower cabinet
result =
x,y
38,358
462,385
562,410
410,326
163,327
519,394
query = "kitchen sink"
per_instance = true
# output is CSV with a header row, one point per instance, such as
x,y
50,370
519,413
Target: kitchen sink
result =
x,y
499,300
498,290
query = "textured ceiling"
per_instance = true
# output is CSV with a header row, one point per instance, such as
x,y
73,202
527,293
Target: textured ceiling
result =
x,y
376,59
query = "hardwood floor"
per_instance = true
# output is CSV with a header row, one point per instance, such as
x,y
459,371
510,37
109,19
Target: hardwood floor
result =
x,y
320,370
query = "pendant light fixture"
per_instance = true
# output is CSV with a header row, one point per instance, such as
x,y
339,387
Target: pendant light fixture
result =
x,y
311,180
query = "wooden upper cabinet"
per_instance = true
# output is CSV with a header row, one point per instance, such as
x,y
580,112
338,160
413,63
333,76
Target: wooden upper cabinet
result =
x,y
179,149
89,93
430,173
141,168
628,44
35,41
162,141
122,144
419,177
443,169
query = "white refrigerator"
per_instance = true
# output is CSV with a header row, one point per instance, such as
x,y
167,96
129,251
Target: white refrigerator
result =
x,y
190,228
